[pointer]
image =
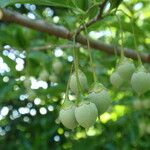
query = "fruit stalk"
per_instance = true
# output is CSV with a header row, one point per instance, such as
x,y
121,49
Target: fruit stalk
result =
x,y
67,89
90,55
135,43
76,68
121,31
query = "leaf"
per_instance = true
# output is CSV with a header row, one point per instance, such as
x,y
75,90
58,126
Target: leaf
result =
x,y
11,64
39,56
82,4
93,11
6,88
56,3
7,36
115,3
20,36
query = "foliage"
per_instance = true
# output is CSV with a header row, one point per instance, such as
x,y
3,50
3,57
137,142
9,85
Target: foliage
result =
x,y
31,122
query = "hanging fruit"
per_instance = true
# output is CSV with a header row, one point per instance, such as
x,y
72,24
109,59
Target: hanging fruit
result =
x,y
67,115
86,114
44,75
82,81
31,94
57,66
100,96
27,83
125,68
53,78
140,81
116,80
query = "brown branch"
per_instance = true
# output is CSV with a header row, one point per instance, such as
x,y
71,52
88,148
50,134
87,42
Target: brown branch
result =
x,y
95,19
59,31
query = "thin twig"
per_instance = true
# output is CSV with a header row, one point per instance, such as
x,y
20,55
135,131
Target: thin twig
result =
x,y
95,19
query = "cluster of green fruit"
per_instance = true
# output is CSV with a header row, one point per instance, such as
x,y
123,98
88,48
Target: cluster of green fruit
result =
x,y
126,71
44,76
57,68
141,104
98,98
85,110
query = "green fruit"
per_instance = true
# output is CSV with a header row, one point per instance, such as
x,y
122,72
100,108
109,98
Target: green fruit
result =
x,y
67,116
137,104
31,94
140,82
146,104
97,87
82,80
27,83
142,128
101,99
57,67
53,78
125,69
116,80
44,75
86,114
148,128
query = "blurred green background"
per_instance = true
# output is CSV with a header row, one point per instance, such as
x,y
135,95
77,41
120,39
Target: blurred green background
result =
x,y
28,118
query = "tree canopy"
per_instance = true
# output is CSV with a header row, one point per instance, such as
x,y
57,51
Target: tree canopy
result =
x,y
43,42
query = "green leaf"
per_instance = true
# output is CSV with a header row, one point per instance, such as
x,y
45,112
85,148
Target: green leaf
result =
x,y
115,3
56,3
93,11
6,88
39,56
11,64
5,35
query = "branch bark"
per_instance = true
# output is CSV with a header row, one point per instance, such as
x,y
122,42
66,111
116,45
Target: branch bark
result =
x,y
59,31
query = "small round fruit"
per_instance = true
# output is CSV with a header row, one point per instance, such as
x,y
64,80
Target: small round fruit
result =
x,y
67,116
146,104
86,114
140,82
31,94
125,69
27,83
137,104
57,67
44,75
142,128
148,128
82,81
101,99
116,80
53,78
